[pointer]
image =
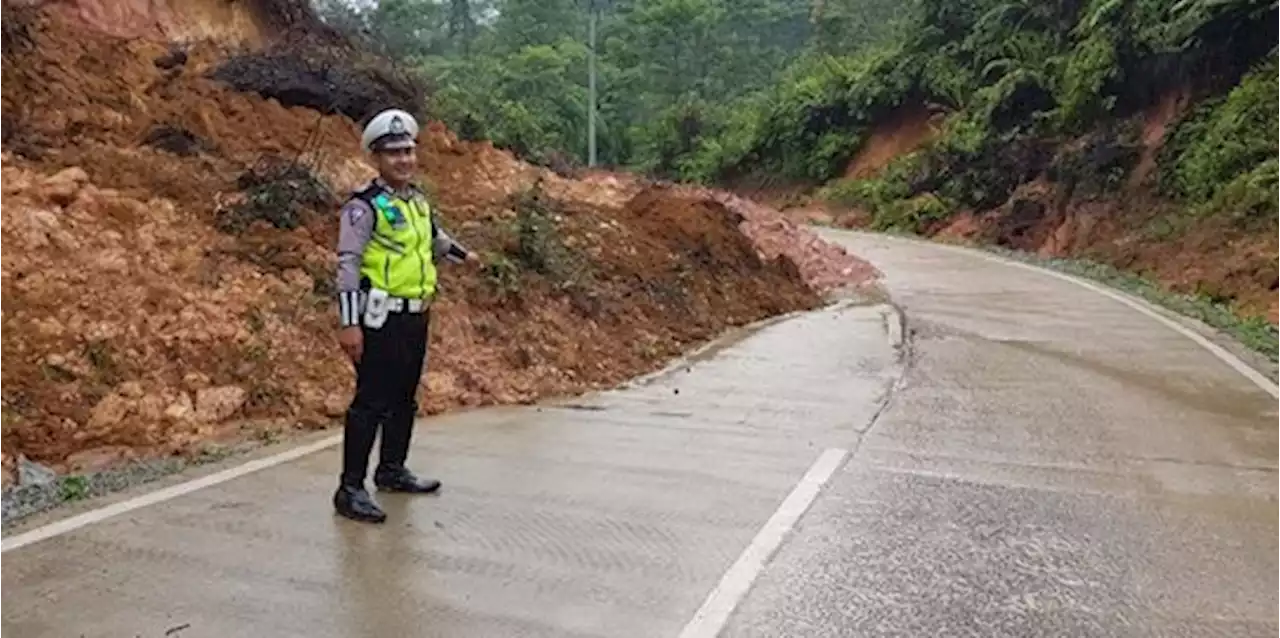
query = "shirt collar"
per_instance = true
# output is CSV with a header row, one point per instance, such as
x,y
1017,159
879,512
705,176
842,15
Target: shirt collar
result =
x,y
410,190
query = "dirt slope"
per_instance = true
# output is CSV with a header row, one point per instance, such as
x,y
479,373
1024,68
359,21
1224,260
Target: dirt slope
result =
x,y
904,131
230,22
156,297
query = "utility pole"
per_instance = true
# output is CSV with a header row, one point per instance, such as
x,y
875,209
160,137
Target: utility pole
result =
x,y
591,83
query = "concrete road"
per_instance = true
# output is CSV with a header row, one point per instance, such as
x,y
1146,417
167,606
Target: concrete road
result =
x,y
1054,463
1038,459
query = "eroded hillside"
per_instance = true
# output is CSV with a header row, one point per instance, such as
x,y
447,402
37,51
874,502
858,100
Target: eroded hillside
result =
x,y
168,274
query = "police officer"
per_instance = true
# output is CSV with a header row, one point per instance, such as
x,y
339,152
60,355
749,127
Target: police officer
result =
x,y
388,245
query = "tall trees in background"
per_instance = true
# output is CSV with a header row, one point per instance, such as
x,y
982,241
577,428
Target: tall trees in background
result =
x,y
515,71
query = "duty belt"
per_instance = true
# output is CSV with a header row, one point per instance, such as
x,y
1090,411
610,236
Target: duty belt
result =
x,y
398,304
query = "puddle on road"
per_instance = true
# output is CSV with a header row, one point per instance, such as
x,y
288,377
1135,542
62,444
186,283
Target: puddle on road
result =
x,y
579,406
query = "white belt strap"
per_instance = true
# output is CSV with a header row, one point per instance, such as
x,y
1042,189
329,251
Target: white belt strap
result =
x,y
398,304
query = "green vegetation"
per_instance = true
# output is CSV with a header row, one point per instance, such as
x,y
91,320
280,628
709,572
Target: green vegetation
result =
x,y
1222,156
534,245
708,90
1057,91
278,191
717,91
682,83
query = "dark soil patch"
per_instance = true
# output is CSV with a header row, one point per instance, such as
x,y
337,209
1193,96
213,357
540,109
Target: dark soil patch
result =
x,y
177,140
327,80
15,26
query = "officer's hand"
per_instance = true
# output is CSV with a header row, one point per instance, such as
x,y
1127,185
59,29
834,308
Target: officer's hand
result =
x,y
473,259
352,341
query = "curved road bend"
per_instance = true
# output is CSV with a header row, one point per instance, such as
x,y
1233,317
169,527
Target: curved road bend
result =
x,y
1040,460
1055,463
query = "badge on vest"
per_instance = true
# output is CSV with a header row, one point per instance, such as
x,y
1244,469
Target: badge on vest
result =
x,y
390,211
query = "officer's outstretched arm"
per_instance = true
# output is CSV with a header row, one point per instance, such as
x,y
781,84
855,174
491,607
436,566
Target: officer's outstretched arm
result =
x,y
443,245
354,230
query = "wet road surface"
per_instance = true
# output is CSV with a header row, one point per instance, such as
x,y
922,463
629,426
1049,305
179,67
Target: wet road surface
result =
x,y
1040,460
1054,464
612,514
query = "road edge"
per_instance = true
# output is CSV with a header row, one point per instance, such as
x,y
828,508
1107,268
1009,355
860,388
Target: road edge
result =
x,y
1143,306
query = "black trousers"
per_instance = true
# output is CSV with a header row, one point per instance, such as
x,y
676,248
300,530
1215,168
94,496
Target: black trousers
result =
x,y
386,380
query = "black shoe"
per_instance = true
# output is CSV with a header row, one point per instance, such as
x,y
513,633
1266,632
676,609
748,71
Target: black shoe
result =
x,y
355,503
402,480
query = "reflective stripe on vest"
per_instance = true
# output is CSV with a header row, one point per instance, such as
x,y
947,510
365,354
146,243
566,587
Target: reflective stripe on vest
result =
x,y
398,257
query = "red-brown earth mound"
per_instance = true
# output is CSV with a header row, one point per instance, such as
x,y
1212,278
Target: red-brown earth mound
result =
x,y
170,245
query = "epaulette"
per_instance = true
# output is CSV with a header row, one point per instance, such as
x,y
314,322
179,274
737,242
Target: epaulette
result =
x,y
368,192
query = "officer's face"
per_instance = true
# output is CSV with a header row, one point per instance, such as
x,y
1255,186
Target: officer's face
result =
x,y
397,165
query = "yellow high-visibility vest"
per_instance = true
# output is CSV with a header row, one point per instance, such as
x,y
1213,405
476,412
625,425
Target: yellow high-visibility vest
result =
x,y
398,257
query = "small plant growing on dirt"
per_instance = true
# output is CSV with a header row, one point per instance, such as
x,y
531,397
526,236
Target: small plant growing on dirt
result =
x,y
269,435
503,276
10,421
538,247
535,245
255,320
73,488
278,191
322,284
103,359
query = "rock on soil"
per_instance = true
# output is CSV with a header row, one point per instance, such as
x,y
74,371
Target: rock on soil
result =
x,y
32,473
8,470
218,404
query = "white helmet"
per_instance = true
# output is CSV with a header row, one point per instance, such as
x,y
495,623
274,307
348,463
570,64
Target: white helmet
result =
x,y
390,129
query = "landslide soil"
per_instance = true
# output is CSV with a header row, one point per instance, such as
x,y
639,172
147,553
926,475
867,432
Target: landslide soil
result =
x,y
136,324
906,130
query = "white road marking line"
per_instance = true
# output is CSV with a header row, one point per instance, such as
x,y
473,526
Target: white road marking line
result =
x,y
720,603
94,516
